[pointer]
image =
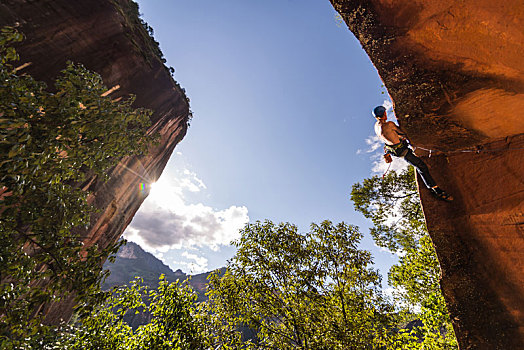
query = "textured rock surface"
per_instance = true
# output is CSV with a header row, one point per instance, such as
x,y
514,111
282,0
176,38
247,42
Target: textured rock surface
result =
x,y
454,72
104,36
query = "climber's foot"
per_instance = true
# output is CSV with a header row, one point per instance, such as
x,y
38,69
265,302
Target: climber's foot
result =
x,y
437,191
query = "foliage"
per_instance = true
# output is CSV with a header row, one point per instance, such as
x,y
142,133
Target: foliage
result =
x,y
142,29
176,321
149,47
314,291
393,205
52,145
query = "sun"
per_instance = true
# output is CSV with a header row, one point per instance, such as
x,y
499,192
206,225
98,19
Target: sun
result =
x,y
164,194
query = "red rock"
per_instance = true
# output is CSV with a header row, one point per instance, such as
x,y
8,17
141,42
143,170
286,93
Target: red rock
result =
x,y
455,74
99,35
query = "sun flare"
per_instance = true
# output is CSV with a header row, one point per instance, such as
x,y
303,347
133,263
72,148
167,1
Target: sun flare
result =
x,y
164,194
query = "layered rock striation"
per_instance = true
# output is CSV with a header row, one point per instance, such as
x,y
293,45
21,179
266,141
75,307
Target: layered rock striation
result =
x,y
456,78
108,38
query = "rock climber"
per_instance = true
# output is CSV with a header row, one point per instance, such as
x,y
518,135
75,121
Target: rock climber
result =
x,y
397,144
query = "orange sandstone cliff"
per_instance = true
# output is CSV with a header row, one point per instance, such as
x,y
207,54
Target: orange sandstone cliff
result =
x,y
455,73
107,37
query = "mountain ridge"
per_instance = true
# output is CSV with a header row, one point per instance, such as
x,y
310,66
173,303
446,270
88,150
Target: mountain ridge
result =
x,y
132,261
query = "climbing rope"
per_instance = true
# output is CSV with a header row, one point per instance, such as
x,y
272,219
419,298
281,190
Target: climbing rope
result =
x,y
384,175
476,150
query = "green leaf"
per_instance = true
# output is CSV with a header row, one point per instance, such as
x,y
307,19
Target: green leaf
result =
x,y
14,151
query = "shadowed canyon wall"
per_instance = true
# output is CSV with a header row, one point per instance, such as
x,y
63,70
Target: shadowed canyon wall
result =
x,y
456,77
106,37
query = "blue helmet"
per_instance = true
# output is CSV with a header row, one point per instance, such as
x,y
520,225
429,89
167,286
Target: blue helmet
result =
x,y
379,111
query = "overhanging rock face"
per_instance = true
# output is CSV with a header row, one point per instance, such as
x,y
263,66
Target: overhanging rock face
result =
x,y
106,37
455,72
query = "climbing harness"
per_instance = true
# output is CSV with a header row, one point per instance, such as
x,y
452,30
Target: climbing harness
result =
x,y
400,149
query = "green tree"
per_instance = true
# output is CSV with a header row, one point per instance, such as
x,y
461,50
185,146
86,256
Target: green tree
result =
x,y
393,205
313,291
51,145
177,322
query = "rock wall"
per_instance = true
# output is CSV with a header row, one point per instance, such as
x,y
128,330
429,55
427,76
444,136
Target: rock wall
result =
x,y
456,77
106,37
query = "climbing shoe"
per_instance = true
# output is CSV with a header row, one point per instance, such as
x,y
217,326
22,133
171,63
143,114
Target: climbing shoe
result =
x,y
439,193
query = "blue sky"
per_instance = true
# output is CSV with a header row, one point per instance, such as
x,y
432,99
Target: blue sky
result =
x,y
282,95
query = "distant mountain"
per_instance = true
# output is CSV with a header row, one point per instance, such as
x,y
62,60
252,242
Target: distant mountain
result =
x,y
132,261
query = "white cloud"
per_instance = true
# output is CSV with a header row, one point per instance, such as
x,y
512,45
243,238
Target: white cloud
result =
x,y
167,220
399,253
396,294
379,166
191,182
388,105
375,146
199,264
374,143
389,291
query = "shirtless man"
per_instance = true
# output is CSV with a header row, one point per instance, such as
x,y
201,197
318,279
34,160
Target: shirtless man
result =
x,y
396,143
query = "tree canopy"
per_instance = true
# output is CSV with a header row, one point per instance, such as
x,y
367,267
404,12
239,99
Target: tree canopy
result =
x,y
393,205
176,321
288,290
51,143
303,291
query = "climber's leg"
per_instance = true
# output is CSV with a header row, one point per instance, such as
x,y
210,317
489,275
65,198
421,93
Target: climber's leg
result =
x,y
423,170
421,167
